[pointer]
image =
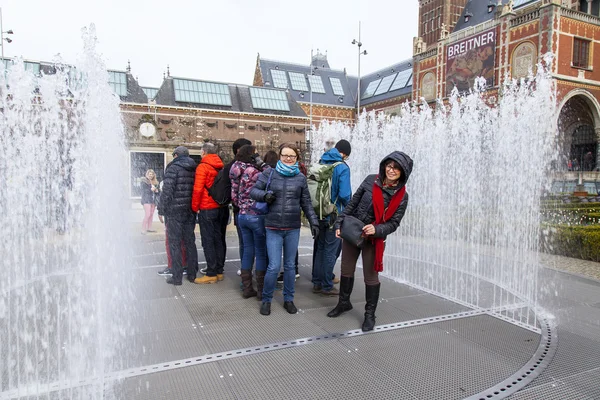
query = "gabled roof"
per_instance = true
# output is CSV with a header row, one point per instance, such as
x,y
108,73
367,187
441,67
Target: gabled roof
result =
x,y
387,83
478,13
135,93
348,99
239,97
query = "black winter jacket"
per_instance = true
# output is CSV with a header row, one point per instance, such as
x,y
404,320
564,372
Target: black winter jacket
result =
x,y
178,185
291,196
361,204
148,196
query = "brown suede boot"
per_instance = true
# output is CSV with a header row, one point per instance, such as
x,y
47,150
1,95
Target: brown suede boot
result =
x,y
260,283
247,283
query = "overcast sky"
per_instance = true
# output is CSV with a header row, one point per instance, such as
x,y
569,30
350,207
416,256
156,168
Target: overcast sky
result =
x,y
213,40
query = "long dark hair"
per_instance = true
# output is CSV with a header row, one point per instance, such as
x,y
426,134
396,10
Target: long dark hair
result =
x,y
271,157
244,153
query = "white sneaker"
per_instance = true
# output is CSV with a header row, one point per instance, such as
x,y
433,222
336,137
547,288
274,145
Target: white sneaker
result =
x,y
239,272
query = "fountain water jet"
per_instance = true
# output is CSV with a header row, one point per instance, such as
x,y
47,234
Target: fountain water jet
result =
x,y
63,290
471,231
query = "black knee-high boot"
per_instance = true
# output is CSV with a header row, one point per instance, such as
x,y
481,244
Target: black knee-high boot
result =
x,y
343,305
372,297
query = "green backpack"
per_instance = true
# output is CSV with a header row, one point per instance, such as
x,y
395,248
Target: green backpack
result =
x,y
319,186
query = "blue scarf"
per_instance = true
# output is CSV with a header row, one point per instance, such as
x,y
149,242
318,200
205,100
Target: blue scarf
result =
x,y
287,170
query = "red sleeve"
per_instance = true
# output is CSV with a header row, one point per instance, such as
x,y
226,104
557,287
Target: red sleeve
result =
x,y
198,187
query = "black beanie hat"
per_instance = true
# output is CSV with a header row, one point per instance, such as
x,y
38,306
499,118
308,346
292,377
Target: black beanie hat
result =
x,y
343,146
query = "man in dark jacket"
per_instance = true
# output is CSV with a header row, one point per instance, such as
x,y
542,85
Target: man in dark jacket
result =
x,y
176,206
327,245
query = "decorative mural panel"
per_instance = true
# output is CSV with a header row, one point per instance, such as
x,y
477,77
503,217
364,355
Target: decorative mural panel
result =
x,y
523,60
428,86
469,59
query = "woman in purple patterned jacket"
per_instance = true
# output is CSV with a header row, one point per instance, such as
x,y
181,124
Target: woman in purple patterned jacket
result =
x,y
244,174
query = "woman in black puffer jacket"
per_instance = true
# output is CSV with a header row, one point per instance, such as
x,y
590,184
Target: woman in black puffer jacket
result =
x,y
380,203
287,195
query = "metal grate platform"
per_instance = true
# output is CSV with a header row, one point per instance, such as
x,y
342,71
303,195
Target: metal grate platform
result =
x,y
207,342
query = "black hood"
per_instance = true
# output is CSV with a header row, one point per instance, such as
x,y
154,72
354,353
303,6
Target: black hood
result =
x,y
185,162
406,164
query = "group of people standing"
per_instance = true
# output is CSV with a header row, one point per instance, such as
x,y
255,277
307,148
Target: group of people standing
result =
x,y
269,195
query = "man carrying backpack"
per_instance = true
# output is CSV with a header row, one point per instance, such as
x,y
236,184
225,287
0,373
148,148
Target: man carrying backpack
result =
x,y
329,186
212,216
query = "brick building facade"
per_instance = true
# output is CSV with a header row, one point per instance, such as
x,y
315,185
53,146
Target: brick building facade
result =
x,y
509,38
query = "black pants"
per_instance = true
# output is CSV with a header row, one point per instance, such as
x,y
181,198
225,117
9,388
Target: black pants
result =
x,y
213,226
181,228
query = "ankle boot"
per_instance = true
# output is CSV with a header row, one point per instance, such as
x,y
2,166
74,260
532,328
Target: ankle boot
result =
x,y
247,283
343,305
260,283
372,296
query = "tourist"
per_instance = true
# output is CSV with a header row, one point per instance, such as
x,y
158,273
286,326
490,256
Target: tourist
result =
x,y
327,245
236,145
212,217
168,271
287,196
150,190
379,204
588,161
244,174
175,205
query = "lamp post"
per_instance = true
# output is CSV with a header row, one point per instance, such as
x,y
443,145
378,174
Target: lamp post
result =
x,y
360,53
2,32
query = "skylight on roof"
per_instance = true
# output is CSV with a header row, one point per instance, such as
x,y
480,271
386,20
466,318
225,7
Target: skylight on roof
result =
x,y
316,84
521,2
33,67
336,84
279,79
402,80
298,81
118,81
371,89
150,92
202,92
269,99
385,84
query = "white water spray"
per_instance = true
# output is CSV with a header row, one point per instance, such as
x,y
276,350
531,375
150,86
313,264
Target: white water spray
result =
x,y
471,231
62,286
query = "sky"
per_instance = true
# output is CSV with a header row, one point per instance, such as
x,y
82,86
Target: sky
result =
x,y
217,40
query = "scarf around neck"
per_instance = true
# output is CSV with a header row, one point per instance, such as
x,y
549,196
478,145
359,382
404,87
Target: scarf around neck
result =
x,y
383,214
287,170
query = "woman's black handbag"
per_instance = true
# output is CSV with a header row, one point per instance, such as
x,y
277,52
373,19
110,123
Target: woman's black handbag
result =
x,y
352,231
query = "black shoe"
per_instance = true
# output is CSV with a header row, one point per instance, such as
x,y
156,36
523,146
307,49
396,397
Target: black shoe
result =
x,y
172,281
185,271
280,278
265,309
165,272
290,307
191,278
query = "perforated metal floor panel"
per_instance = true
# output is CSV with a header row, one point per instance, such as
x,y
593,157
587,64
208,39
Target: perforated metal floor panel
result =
x,y
207,342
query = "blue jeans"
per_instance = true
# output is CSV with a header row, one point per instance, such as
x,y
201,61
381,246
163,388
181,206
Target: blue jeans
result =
x,y
278,242
239,233
327,248
254,238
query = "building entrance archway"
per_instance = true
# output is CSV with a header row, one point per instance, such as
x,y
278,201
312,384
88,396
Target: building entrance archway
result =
x,y
579,125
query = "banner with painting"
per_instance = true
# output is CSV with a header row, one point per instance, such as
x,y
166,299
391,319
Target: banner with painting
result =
x,y
469,59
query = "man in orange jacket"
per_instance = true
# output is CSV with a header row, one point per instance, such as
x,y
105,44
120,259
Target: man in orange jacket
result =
x,y
212,217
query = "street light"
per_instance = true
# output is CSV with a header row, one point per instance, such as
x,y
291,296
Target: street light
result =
x,y
360,53
2,38
313,68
